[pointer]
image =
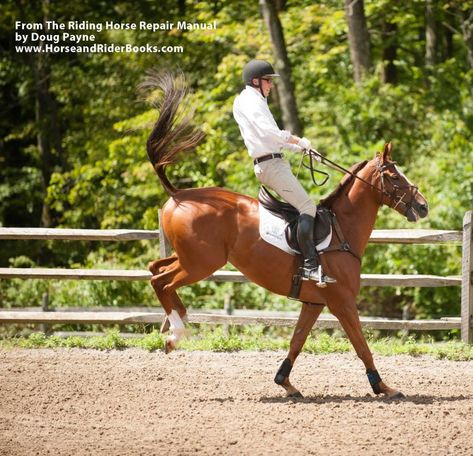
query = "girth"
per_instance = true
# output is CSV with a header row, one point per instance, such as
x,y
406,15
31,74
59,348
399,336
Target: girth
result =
x,y
343,245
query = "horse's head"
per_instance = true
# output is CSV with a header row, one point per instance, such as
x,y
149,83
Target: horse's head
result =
x,y
396,189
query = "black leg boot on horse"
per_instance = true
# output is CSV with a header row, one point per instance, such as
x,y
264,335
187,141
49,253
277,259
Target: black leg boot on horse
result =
x,y
312,268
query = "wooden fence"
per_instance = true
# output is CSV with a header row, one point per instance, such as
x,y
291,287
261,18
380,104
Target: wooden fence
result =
x,y
464,322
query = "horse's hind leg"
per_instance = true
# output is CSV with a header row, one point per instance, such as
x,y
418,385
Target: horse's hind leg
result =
x,y
307,318
348,317
165,285
178,306
160,266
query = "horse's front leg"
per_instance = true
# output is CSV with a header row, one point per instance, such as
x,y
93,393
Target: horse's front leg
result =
x,y
307,318
347,315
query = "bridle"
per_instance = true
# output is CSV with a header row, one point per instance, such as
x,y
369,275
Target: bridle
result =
x,y
392,198
395,199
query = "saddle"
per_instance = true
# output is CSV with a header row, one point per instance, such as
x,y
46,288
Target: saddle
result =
x,y
290,215
325,220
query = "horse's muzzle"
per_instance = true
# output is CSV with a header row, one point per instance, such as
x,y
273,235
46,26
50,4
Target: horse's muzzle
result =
x,y
416,211
422,210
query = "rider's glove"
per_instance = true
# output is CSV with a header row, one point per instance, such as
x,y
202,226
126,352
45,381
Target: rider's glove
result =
x,y
304,143
316,156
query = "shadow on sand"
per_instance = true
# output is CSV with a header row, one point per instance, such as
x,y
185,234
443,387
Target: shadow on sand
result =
x,y
333,399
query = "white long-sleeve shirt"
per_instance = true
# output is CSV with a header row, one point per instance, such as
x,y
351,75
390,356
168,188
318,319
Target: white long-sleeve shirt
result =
x,y
259,130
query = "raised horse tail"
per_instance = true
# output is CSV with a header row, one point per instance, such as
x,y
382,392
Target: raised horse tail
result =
x,y
172,133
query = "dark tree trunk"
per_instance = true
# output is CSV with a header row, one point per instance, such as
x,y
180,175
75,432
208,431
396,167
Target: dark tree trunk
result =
x,y
281,5
467,29
447,28
431,33
44,121
47,123
358,38
449,45
181,6
389,75
283,67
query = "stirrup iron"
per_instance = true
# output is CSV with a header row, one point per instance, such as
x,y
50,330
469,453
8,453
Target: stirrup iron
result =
x,y
321,283
316,274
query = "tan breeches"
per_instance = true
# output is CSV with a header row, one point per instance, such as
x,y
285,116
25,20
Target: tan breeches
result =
x,y
276,174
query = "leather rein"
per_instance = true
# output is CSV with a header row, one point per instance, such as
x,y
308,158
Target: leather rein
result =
x,y
393,199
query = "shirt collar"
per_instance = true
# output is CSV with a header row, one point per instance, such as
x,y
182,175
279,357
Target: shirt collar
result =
x,y
256,91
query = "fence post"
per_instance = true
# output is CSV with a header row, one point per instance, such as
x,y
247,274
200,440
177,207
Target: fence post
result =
x,y
467,280
165,249
228,308
44,327
406,315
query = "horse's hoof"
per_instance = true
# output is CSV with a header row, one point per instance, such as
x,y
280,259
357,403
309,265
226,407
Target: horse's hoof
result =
x,y
169,346
397,397
296,395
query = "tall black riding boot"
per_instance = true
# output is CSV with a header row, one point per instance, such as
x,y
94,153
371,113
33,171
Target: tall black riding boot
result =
x,y
312,269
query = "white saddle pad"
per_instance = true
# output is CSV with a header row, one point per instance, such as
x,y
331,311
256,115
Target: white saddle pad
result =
x,y
272,230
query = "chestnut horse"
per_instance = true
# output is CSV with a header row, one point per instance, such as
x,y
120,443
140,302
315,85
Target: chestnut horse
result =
x,y
208,227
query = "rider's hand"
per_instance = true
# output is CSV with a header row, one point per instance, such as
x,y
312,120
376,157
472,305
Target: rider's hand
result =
x,y
317,156
304,143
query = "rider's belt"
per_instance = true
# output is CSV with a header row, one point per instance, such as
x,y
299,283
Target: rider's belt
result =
x,y
266,157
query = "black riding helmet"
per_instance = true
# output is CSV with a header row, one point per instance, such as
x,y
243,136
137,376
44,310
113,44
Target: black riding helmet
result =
x,y
257,69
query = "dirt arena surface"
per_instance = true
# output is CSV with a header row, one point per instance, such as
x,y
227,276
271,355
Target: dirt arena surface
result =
x,y
84,402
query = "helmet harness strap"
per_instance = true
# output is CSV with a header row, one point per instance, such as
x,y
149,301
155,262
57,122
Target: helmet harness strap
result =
x,y
259,86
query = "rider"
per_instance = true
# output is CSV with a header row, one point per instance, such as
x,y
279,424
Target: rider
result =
x,y
264,141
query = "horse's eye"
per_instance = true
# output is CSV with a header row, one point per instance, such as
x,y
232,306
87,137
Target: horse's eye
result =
x,y
395,177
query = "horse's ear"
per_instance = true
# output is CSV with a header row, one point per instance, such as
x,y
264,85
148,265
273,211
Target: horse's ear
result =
x,y
387,152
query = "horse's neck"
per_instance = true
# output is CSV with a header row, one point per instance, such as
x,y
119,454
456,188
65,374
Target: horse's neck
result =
x,y
356,212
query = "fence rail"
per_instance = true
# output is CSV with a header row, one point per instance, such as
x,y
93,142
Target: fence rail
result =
x,y
68,234
373,280
125,318
416,236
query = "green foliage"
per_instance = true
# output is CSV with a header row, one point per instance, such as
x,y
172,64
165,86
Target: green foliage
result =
x,y
324,343
254,338
112,340
150,342
249,339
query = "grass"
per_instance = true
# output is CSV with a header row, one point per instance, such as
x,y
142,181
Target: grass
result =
x,y
249,339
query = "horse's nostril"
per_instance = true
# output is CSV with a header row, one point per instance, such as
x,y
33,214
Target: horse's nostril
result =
x,y
423,209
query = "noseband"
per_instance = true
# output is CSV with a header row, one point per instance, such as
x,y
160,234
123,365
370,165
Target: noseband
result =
x,y
396,196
